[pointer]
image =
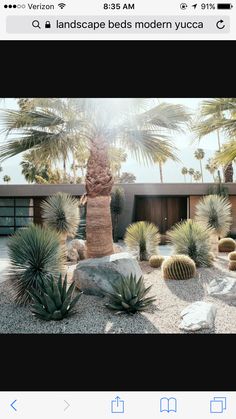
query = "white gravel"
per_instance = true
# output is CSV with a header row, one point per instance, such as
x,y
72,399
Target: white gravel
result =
x,y
162,317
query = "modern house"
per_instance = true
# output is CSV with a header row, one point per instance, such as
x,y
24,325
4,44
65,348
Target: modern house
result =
x,y
163,204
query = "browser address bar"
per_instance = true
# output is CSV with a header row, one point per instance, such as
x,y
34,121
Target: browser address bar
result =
x,y
118,24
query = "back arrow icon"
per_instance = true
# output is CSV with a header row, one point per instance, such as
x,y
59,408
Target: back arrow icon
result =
x,y
12,405
67,405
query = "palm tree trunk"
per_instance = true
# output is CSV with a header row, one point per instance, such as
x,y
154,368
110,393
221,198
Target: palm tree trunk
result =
x,y
74,171
161,172
185,178
201,169
98,183
218,138
228,173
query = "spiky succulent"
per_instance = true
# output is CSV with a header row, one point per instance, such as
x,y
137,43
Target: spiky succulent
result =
x,y
142,239
128,295
215,211
60,212
35,253
192,238
54,301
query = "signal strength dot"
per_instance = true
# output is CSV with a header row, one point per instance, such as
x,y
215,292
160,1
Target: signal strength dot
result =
x,y
62,5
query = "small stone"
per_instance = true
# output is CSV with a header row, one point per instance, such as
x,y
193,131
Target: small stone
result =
x,y
197,316
223,287
72,255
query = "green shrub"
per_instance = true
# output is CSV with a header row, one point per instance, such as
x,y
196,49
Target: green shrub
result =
x,y
232,256
232,265
53,301
60,212
226,245
156,261
142,239
192,239
128,295
178,267
215,211
35,253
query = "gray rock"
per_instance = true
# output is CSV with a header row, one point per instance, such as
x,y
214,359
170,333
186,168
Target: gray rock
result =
x,y
197,316
94,275
224,288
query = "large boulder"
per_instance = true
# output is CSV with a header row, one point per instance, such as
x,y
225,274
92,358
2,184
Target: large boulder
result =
x,y
197,316
224,288
94,275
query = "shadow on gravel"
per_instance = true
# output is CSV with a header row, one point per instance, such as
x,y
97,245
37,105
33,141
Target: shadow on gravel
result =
x,y
190,290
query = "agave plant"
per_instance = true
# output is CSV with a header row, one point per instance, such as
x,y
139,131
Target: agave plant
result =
x,y
128,295
142,239
60,212
215,211
53,301
192,238
34,253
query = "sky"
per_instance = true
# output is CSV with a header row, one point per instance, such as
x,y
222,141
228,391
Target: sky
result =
x,y
171,170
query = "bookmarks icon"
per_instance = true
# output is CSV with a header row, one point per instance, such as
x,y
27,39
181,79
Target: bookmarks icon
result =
x,y
168,404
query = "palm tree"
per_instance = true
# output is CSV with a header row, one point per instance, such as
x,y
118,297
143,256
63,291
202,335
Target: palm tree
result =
x,y
61,124
6,179
199,155
219,115
211,166
197,176
184,172
191,173
161,159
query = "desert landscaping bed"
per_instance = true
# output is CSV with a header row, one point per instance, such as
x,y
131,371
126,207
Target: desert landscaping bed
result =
x,y
162,317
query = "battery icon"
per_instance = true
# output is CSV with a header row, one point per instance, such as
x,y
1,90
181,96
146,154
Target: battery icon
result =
x,y
224,6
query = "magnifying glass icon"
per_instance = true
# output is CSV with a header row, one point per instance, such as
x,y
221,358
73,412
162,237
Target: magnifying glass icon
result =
x,y
36,24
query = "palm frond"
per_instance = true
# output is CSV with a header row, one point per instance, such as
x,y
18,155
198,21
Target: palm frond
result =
x,y
13,120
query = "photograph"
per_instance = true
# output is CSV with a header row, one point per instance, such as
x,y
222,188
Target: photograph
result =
x,y
118,215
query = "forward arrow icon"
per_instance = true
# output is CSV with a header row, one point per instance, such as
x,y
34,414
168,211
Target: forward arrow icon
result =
x,y
67,405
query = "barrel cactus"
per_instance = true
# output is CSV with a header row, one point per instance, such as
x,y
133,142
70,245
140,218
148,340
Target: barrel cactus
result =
x,y
156,261
227,245
178,267
232,256
232,265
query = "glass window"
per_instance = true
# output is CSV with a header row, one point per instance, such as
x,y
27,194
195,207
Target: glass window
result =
x,y
22,222
6,230
24,202
7,221
23,212
5,202
7,211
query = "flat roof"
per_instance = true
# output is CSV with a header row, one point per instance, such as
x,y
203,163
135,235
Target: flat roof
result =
x,y
129,188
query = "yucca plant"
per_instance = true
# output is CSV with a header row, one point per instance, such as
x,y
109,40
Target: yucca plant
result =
x,y
192,239
142,239
215,211
35,253
60,212
128,295
54,301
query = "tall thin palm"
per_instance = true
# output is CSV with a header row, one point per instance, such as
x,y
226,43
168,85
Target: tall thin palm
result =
x,y
161,160
184,172
199,155
211,166
129,123
191,173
